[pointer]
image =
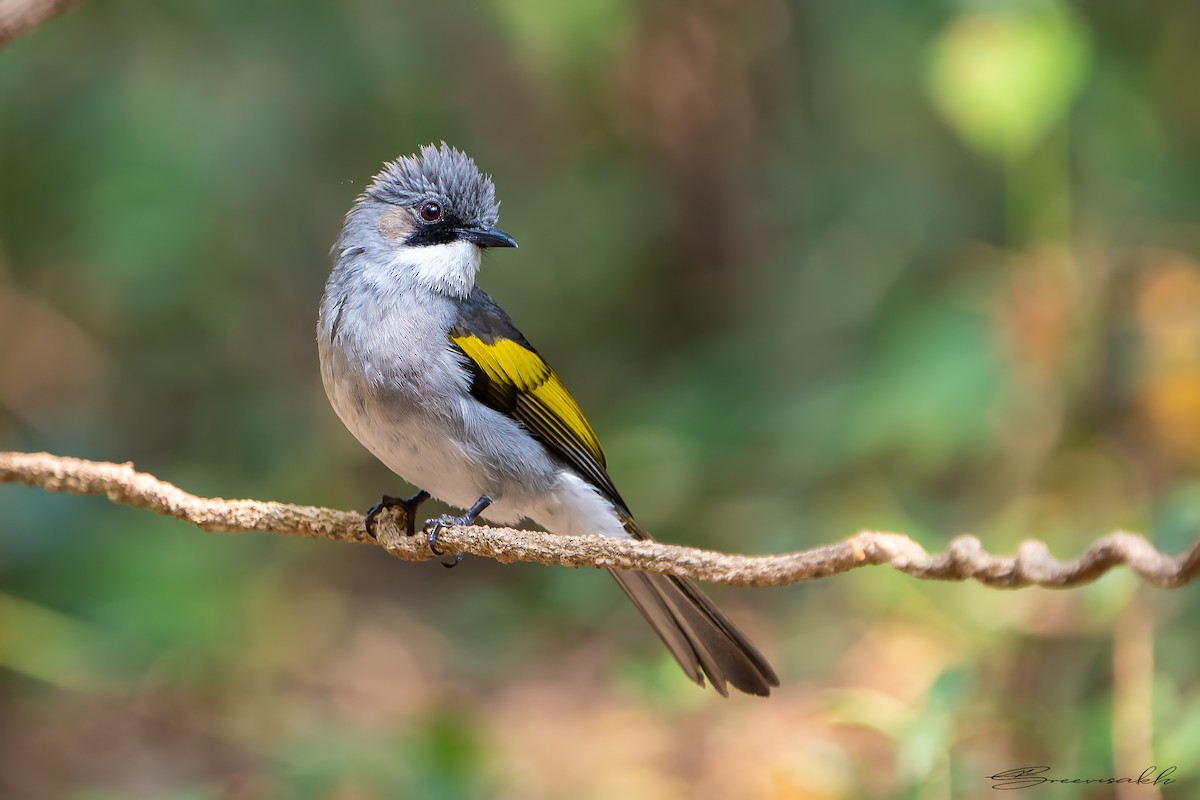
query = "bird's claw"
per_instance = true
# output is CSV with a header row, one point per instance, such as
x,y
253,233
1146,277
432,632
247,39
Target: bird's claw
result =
x,y
435,527
387,502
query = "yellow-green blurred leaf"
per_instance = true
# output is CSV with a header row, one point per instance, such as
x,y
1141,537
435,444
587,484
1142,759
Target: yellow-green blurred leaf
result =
x,y
1003,77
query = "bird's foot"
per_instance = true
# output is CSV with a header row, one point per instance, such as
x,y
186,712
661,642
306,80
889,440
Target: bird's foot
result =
x,y
387,502
435,527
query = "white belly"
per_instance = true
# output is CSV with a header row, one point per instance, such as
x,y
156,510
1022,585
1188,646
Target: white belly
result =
x,y
399,388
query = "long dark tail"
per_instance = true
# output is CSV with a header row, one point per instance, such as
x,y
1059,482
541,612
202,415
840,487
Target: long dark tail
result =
x,y
702,639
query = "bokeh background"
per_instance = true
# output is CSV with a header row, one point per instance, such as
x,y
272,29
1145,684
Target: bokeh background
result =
x,y
810,267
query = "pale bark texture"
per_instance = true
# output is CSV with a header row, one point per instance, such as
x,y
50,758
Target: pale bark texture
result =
x,y
19,17
964,559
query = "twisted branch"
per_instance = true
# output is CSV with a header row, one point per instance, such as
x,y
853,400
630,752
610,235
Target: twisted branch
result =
x,y
19,17
965,559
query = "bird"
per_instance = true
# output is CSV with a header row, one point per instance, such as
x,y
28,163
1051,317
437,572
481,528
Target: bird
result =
x,y
436,381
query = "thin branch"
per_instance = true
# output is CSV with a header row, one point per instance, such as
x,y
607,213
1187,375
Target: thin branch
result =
x,y
965,559
19,17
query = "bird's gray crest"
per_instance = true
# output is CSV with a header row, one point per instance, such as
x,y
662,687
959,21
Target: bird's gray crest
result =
x,y
441,173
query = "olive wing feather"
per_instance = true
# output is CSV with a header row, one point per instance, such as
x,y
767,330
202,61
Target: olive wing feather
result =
x,y
510,376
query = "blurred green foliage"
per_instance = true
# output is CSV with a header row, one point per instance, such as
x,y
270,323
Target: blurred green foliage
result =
x,y
810,268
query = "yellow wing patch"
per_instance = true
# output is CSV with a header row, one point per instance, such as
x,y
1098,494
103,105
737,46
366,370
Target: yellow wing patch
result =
x,y
539,394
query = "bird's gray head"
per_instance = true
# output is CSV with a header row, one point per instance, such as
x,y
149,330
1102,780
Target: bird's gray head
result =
x,y
431,214
439,196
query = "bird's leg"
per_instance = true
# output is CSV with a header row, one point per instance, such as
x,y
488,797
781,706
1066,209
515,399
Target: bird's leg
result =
x,y
389,502
435,526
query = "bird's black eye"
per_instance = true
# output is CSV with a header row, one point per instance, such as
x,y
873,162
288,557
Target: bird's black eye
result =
x,y
431,212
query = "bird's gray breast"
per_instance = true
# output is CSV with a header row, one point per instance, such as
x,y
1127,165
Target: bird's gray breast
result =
x,y
404,392
389,371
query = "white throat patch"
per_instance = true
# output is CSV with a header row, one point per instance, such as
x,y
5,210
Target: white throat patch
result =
x,y
446,268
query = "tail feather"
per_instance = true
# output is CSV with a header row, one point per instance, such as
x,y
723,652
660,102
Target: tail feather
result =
x,y
699,636
661,617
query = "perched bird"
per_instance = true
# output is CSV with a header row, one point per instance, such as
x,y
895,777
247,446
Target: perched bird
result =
x,y
436,381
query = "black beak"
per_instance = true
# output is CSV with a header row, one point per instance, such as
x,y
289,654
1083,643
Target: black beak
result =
x,y
487,237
